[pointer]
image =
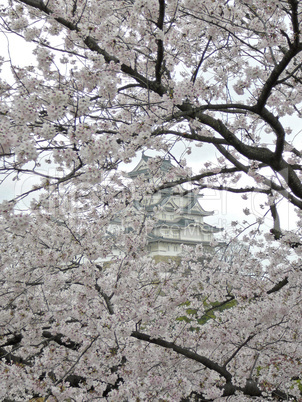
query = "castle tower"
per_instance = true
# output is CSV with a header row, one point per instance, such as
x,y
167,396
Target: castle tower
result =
x,y
179,215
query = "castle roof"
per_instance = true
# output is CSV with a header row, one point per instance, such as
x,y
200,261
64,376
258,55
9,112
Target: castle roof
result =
x,y
185,222
168,197
142,166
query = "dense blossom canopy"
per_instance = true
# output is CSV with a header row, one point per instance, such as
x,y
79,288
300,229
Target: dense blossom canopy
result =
x,y
104,80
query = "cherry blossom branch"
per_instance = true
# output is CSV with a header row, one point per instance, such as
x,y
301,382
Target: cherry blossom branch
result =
x,y
242,190
265,114
73,366
223,26
274,122
238,349
16,339
278,286
275,74
217,306
196,178
276,229
295,21
160,44
185,352
194,76
106,298
232,159
255,153
77,360
11,358
92,45
269,183
260,154
58,339
193,136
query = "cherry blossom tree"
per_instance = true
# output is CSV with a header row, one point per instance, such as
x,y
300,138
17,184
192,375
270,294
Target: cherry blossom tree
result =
x,y
108,79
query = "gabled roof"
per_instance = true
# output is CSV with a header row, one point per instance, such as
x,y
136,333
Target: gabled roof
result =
x,y
194,208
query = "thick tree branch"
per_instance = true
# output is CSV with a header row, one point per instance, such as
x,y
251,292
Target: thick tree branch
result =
x,y
253,153
184,352
9,357
276,229
16,339
107,299
275,124
160,43
58,338
240,166
278,286
295,21
275,74
193,136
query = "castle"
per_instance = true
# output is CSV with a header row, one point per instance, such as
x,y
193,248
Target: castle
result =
x,y
178,214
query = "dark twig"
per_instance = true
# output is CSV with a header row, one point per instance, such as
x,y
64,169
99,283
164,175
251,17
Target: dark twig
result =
x,y
194,76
